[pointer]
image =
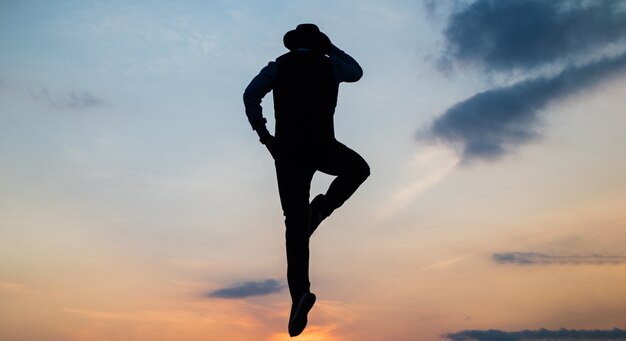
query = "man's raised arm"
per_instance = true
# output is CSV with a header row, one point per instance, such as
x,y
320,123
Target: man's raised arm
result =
x,y
346,69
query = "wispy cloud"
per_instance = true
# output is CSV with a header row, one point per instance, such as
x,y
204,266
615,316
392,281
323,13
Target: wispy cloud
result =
x,y
12,287
426,169
585,40
248,289
73,100
533,258
135,38
446,263
541,334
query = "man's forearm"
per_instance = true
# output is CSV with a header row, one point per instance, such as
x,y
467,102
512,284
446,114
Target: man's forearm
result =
x,y
252,97
345,67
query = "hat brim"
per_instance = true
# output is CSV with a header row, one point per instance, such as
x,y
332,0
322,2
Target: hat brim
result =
x,y
296,39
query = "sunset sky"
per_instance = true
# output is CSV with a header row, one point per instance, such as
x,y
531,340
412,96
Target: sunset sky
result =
x,y
136,203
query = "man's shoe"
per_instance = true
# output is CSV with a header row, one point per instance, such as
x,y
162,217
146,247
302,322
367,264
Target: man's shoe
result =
x,y
298,318
315,213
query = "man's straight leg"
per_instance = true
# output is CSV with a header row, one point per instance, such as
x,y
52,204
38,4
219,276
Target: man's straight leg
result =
x,y
294,181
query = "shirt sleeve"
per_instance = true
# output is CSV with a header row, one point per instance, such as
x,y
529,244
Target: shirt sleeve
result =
x,y
345,67
253,95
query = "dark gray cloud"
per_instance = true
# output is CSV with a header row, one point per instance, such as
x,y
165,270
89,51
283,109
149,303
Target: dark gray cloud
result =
x,y
248,289
541,334
508,35
492,123
73,100
82,100
533,258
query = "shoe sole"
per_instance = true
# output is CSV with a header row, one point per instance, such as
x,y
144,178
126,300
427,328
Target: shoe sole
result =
x,y
300,320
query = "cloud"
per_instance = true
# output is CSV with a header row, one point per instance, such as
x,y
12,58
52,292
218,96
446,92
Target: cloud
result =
x,y
541,334
248,289
82,100
73,100
533,258
509,34
583,39
492,123
427,168
446,263
12,287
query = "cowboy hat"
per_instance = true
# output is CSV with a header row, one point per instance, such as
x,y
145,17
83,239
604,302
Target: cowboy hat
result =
x,y
306,36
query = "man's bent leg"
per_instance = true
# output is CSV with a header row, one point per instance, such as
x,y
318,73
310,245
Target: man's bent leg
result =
x,y
294,181
351,171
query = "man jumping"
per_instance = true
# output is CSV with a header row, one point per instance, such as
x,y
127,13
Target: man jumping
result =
x,y
305,82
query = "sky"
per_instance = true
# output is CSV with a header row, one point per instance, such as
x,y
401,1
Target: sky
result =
x,y
136,203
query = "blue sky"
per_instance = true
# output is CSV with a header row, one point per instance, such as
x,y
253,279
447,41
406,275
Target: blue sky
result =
x,y
133,186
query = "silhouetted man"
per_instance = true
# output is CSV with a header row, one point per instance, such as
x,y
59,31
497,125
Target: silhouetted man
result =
x,y
305,82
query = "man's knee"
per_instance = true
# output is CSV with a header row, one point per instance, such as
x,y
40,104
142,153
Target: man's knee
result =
x,y
363,171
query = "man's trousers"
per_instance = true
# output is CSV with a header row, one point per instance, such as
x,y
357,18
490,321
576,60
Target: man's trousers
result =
x,y
295,166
